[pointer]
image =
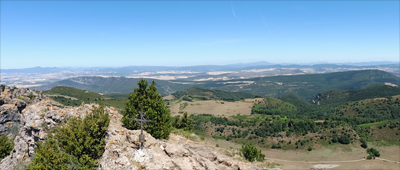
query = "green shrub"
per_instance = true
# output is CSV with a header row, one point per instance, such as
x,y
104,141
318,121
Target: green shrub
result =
x,y
373,152
187,98
185,123
363,143
6,146
76,144
310,148
49,156
251,153
344,139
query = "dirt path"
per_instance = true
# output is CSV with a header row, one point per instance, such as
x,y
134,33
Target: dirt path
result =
x,y
388,160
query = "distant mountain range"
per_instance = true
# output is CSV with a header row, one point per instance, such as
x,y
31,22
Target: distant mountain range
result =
x,y
197,68
41,70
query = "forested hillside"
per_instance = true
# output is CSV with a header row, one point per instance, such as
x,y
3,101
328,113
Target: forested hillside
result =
x,y
307,85
341,96
293,123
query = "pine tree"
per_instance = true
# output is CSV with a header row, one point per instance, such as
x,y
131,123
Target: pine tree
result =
x,y
187,123
153,106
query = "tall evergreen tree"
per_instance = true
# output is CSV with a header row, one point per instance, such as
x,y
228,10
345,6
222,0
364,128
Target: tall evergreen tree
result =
x,y
153,106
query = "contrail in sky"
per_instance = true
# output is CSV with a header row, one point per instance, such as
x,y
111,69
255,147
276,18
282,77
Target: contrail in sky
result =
x,y
233,12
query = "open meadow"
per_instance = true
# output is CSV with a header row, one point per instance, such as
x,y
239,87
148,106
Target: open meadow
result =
x,y
214,107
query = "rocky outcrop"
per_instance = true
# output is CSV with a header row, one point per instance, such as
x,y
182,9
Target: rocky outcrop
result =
x,y
122,149
36,122
12,102
28,95
123,152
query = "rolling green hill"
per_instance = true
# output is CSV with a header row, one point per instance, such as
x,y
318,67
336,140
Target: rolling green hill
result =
x,y
209,94
273,106
337,102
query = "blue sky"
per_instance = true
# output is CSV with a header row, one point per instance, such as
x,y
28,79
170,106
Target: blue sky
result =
x,y
176,33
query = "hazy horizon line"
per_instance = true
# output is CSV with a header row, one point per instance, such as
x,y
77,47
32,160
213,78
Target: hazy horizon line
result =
x,y
237,63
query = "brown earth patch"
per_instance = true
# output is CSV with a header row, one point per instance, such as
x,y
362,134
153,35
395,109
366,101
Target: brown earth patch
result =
x,y
169,97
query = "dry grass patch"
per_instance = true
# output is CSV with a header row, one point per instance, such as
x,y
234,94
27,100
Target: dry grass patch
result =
x,y
214,107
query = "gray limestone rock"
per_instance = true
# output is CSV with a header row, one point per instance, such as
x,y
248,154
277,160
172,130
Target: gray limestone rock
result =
x,y
12,103
8,115
36,121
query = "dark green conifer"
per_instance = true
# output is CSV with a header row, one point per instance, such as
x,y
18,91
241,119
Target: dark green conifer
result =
x,y
153,106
